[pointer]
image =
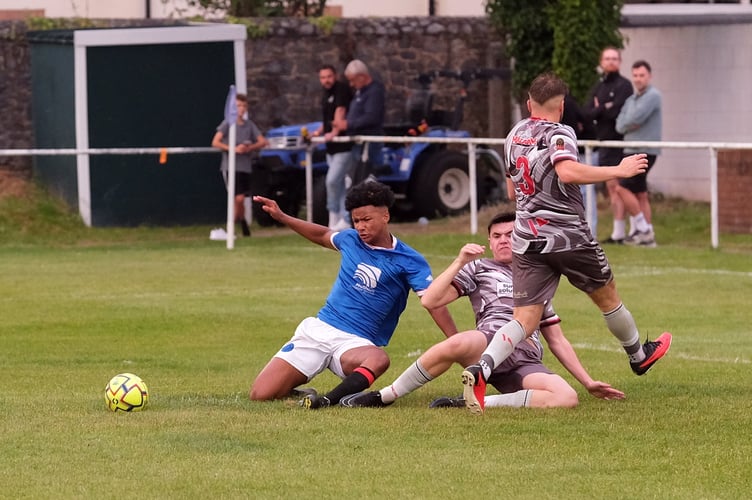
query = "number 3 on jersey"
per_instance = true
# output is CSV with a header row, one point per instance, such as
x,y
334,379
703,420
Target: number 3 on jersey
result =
x,y
525,183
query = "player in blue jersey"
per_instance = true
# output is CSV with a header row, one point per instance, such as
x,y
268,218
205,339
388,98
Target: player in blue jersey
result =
x,y
552,238
377,272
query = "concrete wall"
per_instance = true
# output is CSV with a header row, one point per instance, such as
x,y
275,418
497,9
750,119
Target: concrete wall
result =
x,y
703,72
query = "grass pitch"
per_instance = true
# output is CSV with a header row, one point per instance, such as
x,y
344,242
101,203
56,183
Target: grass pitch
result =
x,y
198,322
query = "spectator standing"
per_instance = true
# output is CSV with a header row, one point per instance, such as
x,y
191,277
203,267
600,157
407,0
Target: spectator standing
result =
x,y
335,102
603,106
366,113
640,120
249,140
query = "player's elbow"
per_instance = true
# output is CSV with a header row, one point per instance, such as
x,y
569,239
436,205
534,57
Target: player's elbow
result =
x,y
428,303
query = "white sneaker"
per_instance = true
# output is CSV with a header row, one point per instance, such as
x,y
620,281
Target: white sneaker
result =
x,y
334,219
341,225
218,234
641,238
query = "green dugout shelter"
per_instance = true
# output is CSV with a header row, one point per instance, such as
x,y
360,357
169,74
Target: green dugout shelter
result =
x,y
141,87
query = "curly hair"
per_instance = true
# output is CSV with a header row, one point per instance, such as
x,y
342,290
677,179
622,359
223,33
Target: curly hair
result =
x,y
369,192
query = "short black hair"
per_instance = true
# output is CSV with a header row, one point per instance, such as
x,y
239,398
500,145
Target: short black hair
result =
x,y
369,192
501,217
329,67
642,63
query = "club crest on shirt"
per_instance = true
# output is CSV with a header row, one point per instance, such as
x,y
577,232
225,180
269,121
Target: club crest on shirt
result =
x,y
560,143
366,277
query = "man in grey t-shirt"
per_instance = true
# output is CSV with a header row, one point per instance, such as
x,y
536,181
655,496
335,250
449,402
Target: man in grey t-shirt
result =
x,y
249,140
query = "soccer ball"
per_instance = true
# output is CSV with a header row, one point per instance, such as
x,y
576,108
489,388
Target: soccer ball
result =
x,y
126,392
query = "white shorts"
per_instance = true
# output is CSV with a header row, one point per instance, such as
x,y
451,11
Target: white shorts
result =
x,y
316,346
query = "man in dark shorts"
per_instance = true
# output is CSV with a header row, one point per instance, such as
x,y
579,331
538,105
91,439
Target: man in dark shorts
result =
x,y
552,238
602,107
522,378
640,119
249,141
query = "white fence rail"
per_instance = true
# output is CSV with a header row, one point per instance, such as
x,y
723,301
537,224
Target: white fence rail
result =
x,y
589,145
471,144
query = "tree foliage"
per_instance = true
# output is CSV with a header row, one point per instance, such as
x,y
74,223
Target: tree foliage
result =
x,y
262,8
564,36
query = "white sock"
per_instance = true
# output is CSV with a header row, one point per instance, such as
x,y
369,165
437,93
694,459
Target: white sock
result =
x,y
641,224
619,228
501,346
414,377
632,226
517,399
622,325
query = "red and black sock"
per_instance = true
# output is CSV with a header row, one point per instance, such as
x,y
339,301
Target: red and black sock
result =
x,y
359,380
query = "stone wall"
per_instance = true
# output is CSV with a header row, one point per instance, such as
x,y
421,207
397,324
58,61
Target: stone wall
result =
x,y
15,95
283,57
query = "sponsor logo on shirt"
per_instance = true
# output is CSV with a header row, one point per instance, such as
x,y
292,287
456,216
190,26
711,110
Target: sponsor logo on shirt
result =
x,y
367,277
504,289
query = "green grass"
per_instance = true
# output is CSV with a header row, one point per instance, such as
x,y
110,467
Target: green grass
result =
x,y
198,322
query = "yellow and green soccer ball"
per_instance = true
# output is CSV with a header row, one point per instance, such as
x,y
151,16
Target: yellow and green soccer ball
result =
x,y
126,392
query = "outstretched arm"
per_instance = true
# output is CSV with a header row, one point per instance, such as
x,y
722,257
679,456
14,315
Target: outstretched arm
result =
x,y
564,352
573,172
441,291
320,235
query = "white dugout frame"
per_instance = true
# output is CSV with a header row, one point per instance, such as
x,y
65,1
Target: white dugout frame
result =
x,y
83,39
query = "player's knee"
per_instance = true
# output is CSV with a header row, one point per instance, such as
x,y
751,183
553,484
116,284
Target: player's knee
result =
x,y
381,363
259,393
567,397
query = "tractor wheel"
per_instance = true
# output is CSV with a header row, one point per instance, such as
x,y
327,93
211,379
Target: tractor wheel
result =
x,y
442,186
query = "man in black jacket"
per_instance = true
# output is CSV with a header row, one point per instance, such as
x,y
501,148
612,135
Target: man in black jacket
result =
x,y
603,106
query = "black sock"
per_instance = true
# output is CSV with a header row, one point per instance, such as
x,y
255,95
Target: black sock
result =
x,y
355,382
245,228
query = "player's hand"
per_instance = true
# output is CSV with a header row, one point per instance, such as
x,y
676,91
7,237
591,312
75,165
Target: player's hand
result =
x,y
633,164
269,206
470,252
603,390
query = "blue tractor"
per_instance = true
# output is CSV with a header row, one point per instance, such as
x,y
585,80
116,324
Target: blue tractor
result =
x,y
429,180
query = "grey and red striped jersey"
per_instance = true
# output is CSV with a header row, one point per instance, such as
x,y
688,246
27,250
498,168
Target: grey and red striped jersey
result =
x,y
550,213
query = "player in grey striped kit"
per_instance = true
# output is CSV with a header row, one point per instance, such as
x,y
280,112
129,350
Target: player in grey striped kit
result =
x,y
552,237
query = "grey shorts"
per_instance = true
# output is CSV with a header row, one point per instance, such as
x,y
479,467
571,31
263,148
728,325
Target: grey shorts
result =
x,y
536,275
524,360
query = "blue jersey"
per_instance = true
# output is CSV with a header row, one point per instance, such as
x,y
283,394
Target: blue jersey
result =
x,y
372,286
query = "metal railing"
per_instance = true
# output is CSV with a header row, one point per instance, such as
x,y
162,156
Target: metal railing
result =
x,y
589,145
471,143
